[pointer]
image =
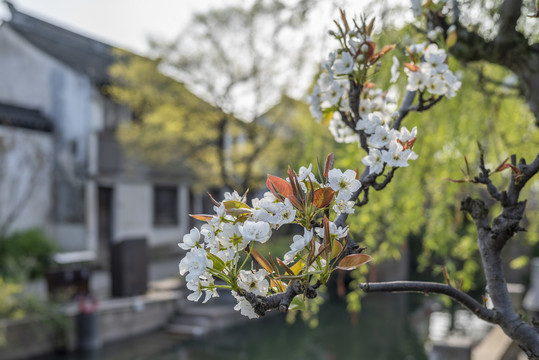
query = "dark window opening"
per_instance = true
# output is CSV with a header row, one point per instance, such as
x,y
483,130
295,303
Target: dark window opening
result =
x,y
165,205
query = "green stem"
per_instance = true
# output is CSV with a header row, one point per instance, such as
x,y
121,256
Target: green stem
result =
x,y
251,246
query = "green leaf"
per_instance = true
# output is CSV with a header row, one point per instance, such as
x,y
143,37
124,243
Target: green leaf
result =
x,y
519,262
297,304
237,208
218,264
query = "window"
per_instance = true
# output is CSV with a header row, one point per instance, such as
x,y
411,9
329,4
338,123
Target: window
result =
x,y
165,205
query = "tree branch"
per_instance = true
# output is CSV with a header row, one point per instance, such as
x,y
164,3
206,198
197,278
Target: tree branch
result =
x,y
281,301
433,288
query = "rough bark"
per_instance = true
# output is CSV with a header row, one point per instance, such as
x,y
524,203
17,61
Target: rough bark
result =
x,y
492,236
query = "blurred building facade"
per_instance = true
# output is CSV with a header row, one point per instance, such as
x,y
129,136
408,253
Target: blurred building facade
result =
x,y
85,192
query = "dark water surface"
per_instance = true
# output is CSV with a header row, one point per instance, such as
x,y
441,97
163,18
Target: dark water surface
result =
x,y
381,331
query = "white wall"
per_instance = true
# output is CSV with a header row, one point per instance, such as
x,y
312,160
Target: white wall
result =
x,y
33,79
133,215
25,177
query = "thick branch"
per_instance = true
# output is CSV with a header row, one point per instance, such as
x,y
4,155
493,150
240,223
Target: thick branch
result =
x,y
281,301
433,288
404,108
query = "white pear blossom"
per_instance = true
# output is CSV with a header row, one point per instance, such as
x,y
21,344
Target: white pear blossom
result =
x,y
436,85
244,307
327,65
334,231
305,173
344,64
208,231
231,236
416,80
255,231
204,285
343,183
233,196
371,122
325,81
405,135
365,107
299,243
417,49
435,56
284,214
343,206
381,137
227,254
396,156
190,240
374,161
195,263
453,84
254,282
333,94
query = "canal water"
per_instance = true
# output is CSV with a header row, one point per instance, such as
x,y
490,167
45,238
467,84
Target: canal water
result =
x,y
381,331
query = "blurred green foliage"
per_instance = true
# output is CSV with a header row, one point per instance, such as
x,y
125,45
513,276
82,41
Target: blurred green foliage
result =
x,y
26,255
420,209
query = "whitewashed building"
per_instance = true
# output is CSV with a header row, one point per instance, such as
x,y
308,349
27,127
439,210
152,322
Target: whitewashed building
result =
x,y
88,195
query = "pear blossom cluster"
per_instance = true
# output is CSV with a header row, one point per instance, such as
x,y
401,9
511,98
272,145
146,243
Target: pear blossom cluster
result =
x,y
217,253
429,72
346,72
213,260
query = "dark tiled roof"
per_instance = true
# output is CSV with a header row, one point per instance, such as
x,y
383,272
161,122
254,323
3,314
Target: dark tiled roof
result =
x,y
81,53
11,115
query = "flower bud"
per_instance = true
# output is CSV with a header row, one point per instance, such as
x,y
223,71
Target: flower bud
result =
x,y
364,48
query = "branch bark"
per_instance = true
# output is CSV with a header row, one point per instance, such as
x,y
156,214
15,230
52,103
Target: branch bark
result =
x,y
433,288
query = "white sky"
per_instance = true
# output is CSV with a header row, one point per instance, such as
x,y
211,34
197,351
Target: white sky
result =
x,y
124,23
128,23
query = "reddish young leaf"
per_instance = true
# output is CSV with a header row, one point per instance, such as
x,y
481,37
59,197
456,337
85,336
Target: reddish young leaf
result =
x,y
330,160
323,197
412,67
261,261
381,53
505,165
285,267
201,217
336,250
371,45
279,186
327,235
411,55
294,183
370,27
295,202
407,144
353,261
